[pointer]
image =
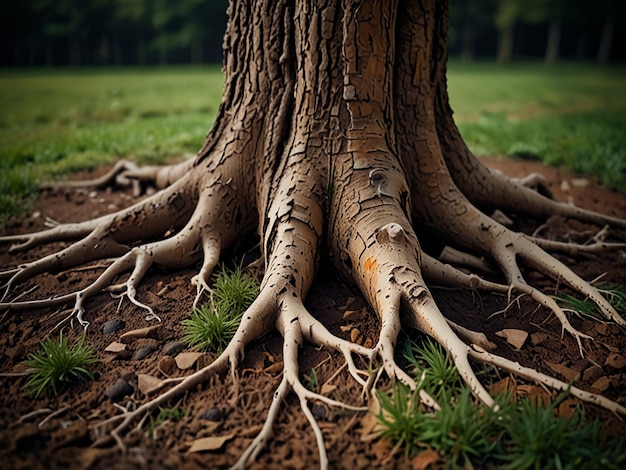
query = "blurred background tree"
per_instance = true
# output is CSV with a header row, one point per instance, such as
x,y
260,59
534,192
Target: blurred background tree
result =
x,y
158,32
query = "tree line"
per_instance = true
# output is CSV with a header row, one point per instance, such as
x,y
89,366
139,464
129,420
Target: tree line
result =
x,y
148,32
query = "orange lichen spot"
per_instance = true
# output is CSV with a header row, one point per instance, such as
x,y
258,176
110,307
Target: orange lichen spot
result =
x,y
370,264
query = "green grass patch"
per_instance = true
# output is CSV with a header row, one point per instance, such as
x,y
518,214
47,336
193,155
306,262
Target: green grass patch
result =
x,y
58,364
571,115
56,122
212,326
173,414
520,434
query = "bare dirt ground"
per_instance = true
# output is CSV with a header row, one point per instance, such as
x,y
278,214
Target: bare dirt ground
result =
x,y
58,436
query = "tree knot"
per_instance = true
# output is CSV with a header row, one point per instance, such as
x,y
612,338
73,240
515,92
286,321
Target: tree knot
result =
x,y
390,232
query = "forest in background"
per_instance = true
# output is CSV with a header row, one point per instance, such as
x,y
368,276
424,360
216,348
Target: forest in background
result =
x,y
36,33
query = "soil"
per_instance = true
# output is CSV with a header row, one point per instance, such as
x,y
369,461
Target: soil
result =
x,y
57,431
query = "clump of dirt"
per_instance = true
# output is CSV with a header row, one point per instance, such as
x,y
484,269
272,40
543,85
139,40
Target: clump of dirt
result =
x,y
57,432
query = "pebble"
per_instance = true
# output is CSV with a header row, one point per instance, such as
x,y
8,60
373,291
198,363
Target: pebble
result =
x,y
173,348
119,390
112,326
319,412
212,414
143,352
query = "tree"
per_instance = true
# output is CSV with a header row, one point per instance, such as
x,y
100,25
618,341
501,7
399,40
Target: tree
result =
x,y
334,138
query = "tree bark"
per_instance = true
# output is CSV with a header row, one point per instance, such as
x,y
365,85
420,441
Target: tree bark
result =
x,y
554,42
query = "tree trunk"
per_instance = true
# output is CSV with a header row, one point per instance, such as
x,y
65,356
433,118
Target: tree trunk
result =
x,y
554,42
334,138
606,41
505,44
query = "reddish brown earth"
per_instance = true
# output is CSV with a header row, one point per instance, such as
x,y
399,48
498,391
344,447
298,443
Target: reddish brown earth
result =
x,y
60,437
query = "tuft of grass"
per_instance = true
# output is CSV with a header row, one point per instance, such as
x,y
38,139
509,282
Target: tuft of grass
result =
x,y
58,364
535,437
615,294
173,414
432,364
212,326
516,435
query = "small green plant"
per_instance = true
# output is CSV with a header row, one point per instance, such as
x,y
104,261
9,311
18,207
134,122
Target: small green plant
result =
x,y
439,373
401,417
460,430
535,437
173,414
614,293
211,327
58,364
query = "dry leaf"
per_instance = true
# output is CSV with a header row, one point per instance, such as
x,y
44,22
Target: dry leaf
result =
x,y
354,315
327,388
507,384
514,337
538,338
115,347
601,384
534,393
185,360
569,374
209,443
424,459
615,360
148,332
354,335
148,383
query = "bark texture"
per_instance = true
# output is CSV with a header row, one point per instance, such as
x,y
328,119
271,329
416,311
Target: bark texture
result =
x,y
334,138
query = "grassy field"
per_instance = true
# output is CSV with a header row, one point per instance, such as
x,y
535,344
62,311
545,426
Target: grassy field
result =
x,y
55,122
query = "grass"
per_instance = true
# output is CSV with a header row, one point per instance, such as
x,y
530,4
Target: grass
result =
x,y
614,293
212,326
60,121
173,414
58,364
519,435
54,122
572,115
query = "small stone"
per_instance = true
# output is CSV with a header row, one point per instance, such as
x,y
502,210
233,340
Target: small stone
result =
x,y
143,352
319,412
212,414
119,390
173,348
565,186
93,194
112,326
